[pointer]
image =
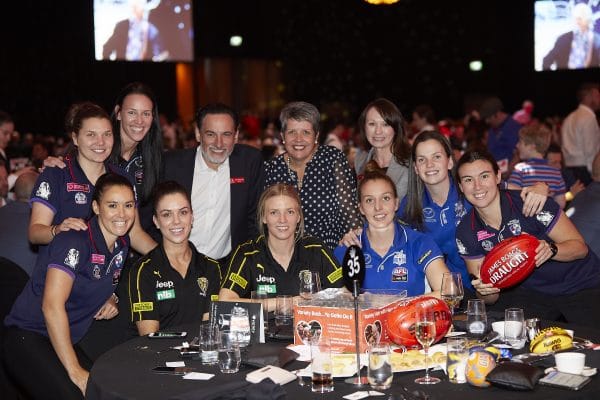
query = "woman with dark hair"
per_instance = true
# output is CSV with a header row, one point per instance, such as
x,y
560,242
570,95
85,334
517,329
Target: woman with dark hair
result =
x,y
70,284
138,144
382,125
272,262
189,280
61,198
397,257
566,281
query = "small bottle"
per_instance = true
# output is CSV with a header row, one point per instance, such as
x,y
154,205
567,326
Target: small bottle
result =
x,y
240,326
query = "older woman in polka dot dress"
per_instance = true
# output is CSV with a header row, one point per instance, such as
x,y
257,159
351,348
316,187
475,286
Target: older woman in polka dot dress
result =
x,y
322,175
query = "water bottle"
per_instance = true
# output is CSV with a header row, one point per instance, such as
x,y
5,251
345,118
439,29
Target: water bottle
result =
x,y
240,326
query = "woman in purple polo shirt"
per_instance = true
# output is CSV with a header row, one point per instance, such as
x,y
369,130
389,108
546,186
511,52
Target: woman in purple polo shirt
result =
x,y
566,281
67,291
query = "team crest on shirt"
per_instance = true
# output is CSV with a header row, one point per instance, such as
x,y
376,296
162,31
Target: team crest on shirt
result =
x,y
72,258
203,285
116,263
80,198
400,258
116,276
461,247
368,259
400,274
96,272
545,217
487,245
43,191
428,213
514,225
459,211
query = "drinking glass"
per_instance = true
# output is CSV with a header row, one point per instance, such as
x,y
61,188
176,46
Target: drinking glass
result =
x,y
322,366
229,356
284,310
209,342
514,332
425,334
456,361
476,318
380,369
452,290
310,283
261,297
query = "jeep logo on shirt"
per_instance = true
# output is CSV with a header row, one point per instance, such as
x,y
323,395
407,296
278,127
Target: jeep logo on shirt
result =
x,y
265,279
164,285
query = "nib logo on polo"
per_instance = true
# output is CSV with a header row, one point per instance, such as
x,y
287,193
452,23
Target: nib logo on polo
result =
x,y
169,293
266,284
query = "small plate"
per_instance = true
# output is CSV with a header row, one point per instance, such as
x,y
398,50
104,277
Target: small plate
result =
x,y
587,371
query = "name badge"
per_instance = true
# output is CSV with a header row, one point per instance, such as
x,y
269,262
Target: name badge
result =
x,y
239,179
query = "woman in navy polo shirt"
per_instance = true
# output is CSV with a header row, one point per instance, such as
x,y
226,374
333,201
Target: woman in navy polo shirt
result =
x,y
66,292
396,256
566,282
61,198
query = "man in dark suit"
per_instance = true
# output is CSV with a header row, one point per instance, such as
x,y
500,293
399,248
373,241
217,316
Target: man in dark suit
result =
x,y
135,38
7,126
224,178
579,48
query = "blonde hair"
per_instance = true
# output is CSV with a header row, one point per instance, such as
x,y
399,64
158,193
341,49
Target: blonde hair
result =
x,y
279,189
539,135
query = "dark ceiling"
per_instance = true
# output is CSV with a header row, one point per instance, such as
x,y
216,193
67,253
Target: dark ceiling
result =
x,y
344,51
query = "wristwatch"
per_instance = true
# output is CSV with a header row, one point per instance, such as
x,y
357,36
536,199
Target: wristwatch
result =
x,y
553,248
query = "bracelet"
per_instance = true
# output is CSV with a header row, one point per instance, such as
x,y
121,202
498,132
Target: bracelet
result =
x,y
116,298
53,230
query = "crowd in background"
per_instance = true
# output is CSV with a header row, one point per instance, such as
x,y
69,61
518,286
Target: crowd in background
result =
x,y
273,198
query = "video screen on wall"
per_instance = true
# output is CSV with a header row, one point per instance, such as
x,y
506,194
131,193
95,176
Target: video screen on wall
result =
x,y
143,30
566,34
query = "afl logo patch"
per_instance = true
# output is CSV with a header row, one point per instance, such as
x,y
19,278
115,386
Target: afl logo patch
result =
x,y
400,274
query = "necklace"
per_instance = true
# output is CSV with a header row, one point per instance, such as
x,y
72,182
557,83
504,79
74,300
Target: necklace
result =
x,y
289,167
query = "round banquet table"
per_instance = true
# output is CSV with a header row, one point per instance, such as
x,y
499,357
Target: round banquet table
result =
x,y
124,372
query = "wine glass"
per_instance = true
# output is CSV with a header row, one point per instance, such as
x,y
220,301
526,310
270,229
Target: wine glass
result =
x,y
425,334
310,283
452,290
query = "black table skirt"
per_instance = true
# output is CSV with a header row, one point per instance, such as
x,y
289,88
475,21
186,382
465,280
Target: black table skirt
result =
x,y
124,373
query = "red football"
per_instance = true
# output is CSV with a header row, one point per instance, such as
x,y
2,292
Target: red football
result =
x,y
510,261
401,322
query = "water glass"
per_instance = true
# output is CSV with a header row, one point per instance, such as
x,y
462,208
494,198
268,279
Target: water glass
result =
x,y
284,310
380,368
456,360
476,318
322,366
514,327
310,283
209,342
258,296
229,354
